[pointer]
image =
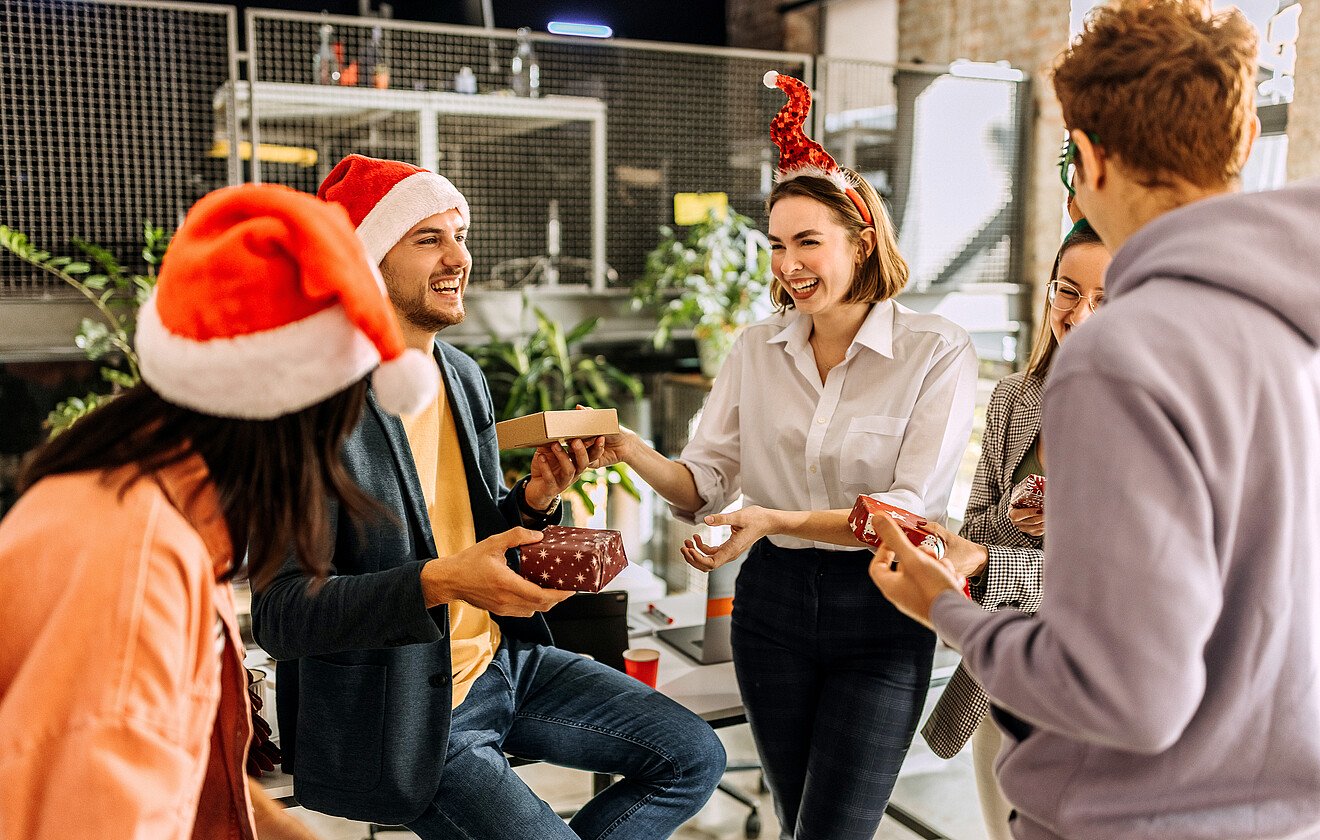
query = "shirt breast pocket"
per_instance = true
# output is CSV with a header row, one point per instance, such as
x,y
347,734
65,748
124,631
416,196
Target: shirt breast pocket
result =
x,y
870,450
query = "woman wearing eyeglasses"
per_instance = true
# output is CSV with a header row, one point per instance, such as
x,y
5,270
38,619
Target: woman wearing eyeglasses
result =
x,y
1000,548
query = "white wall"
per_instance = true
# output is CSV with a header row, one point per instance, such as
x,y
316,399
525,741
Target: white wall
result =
x,y
865,29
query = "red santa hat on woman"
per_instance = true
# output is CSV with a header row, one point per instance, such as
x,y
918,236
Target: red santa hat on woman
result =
x,y
386,198
798,154
266,304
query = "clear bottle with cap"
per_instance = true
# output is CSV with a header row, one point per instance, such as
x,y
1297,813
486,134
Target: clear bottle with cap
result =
x,y
465,81
525,76
325,64
379,68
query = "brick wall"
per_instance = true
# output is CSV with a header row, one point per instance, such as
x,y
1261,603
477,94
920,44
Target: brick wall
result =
x,y
758,25
1029,34
754,24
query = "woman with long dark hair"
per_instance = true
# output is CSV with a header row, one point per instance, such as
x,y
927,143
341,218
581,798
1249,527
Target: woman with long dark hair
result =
x,y
123,701
1000,548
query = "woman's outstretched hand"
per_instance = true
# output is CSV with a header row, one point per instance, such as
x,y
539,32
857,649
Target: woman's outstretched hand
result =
x,y
748,525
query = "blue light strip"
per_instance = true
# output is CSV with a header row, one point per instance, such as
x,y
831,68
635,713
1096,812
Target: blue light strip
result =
x,y
582,30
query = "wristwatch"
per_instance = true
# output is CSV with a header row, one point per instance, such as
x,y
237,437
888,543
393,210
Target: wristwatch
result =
x,y
520,497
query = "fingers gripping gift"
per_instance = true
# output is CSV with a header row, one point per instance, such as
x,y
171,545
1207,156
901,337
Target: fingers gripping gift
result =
x,y
1028,493
574,559
860,520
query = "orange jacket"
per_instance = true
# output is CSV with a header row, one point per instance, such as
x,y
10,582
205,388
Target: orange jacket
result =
x,y
123,703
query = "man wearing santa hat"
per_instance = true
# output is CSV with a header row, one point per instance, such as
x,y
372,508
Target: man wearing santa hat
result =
x,y
422,661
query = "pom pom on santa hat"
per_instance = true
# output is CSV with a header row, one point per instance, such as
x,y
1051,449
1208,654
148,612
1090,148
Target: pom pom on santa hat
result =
x,y
266,304
386,198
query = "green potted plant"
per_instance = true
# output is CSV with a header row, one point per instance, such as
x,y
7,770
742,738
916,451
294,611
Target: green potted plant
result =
x,y
545,373
116,294
721,273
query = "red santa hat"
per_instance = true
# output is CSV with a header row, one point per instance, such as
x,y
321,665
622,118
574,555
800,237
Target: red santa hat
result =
x,y
386,198
799,154
266,304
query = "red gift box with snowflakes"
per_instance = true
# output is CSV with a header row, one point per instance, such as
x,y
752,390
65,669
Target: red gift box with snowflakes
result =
x,y
1028,493
574,559
860,520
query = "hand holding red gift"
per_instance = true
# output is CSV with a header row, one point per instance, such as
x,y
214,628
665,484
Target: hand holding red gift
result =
x,y
1028,493
574,559
480,576
909,577
861,521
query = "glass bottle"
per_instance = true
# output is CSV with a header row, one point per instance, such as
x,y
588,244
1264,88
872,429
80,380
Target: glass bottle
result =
x,y
526,72
325,65
379,68
465,81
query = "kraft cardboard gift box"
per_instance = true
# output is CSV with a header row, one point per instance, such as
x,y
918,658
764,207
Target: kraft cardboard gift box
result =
x,y
548,426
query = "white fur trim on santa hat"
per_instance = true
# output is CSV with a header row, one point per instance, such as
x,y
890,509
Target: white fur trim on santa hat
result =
x,y
417,197
258,376
836,176
407,384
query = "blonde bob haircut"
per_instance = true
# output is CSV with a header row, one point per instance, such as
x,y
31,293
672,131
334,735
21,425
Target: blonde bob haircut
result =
x,y
883,273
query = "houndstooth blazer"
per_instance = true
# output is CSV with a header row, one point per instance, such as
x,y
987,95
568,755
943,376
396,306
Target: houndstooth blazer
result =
x,y
1013,574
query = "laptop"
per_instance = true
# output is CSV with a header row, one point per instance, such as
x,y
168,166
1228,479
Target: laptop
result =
x,y
594,623
708,643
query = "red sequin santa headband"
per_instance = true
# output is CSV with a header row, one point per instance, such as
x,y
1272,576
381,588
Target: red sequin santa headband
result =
x,y
798,153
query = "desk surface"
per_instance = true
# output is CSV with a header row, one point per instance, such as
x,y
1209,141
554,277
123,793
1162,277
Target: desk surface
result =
x,y
709,690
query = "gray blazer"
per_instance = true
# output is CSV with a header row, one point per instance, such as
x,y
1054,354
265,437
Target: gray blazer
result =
x,y
1013,574
364,677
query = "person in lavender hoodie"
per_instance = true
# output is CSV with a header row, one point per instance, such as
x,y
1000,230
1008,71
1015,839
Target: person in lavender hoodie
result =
x,y
1169,686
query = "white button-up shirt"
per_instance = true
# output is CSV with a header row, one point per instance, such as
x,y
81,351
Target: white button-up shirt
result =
x,y
891,420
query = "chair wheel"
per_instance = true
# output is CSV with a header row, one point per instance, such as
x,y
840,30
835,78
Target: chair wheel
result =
x,y
752,829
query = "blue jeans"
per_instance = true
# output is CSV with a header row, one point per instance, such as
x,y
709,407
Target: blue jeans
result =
x,y
544,703
833,678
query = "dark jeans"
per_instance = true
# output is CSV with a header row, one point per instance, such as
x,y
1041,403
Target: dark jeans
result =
x,y
833,678
545,703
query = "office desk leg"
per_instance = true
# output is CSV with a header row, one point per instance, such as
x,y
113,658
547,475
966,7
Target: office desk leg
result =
x,y
912,823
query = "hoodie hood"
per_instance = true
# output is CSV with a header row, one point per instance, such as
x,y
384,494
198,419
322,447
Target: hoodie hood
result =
x,y
1261,246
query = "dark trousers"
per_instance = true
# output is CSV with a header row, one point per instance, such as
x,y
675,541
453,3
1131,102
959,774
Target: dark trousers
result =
x,y
833,679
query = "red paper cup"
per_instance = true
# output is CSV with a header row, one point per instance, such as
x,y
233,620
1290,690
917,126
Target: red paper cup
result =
x,y
642,664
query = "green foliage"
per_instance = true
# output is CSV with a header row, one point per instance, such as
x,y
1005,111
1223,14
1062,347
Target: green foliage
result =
x,y
545,373
721,271
117,296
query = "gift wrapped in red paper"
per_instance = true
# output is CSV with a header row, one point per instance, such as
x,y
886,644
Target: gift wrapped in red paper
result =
x,y
574,559
860,522
1028,493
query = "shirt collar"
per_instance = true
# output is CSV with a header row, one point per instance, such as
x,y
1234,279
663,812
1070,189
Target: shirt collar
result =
x,y
876,332
187,484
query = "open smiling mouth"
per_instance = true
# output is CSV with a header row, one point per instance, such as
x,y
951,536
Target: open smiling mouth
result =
x,y
804,286
447,285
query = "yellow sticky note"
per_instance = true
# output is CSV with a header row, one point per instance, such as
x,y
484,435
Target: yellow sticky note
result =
x,y
690,208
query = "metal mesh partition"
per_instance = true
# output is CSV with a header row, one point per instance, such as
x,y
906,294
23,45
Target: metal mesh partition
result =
x,y
106,122
593,163
945,149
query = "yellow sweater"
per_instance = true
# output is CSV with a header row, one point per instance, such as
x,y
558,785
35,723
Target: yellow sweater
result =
x,y
433,438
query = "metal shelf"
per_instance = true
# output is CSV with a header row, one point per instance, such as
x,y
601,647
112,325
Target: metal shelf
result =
x,y
309,114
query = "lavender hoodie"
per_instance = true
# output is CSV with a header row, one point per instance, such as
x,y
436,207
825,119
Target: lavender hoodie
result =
x,y
1170,685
